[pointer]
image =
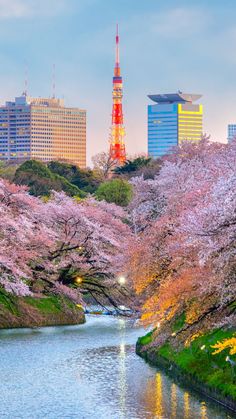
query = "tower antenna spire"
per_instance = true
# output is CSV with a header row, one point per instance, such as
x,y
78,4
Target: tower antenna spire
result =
x,y
54,81
26,82
117,46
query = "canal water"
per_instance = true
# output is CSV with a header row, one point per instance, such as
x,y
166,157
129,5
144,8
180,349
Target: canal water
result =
x,y
89,372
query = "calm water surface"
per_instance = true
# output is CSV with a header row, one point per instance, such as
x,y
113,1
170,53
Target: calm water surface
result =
x,y
89,371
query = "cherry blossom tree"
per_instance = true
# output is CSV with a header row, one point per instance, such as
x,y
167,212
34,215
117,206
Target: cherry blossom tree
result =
x,y
72,246
147,204
175,242
89,239
24,237
183,258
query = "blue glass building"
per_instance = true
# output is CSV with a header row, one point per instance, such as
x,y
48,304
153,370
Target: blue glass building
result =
x,y
173,119
15,130
231,132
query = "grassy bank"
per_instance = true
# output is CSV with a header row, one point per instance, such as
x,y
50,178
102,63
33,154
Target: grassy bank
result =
x,y
214,375
35,312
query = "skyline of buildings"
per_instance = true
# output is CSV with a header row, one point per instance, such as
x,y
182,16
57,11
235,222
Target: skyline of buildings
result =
x,y
173,119
84,59
43,129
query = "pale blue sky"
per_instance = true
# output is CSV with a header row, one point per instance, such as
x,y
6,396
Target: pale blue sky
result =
x,y
165,46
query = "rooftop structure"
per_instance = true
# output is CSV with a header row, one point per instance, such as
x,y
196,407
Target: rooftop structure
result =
x,y
178,97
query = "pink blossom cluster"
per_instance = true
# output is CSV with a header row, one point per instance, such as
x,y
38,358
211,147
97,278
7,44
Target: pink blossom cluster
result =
x,y
72,293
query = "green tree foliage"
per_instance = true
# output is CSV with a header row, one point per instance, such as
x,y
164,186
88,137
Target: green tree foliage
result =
x,y
118,191
133,165
7,170
41,180
66,170
140,166
84,179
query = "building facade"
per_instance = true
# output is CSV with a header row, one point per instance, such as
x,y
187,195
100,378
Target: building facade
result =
x,y
173,119
231,132
42,129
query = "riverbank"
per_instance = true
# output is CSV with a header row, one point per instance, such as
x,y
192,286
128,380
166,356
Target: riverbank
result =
x,y
32,312
195,366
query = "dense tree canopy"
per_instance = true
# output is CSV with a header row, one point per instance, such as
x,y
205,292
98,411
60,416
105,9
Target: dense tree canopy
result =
x,y
139,166
133,165
41,180
118,191
85,179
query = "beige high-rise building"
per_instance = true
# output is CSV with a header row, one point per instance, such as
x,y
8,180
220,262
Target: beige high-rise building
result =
x,y
42,129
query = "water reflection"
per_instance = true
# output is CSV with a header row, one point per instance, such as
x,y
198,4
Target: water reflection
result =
x,y
159,406
122,381
186,405
161,398
89,372
173,400
203,411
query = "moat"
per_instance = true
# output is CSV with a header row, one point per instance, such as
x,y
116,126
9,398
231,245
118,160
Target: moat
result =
x,y
89,371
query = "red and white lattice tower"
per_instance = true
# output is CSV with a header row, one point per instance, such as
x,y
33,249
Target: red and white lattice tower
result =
x,y
117,145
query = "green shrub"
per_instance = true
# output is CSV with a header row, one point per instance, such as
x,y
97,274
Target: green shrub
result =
x,y
117,191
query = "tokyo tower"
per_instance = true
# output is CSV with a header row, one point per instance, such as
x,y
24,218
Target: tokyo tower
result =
x,y
117,146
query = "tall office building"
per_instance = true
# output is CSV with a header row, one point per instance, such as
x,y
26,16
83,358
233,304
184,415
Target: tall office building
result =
x,y
231,132
173,119
42,129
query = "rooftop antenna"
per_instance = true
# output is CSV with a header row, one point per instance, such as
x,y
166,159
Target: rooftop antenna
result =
x,y
117,46
26,82
54,81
